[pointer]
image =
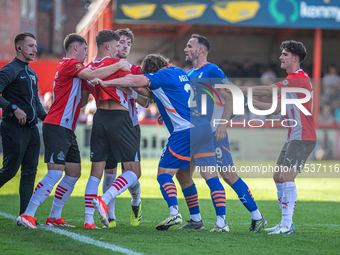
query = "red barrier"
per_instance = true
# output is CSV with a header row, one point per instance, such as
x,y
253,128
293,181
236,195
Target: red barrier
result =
x,y
45,69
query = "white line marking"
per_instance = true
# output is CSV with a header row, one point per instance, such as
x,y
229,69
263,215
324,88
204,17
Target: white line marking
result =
x,y
80,238
229,223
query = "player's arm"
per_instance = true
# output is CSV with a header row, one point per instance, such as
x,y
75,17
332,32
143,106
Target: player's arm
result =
x,y
40,109
7,76
127,81
104,72
221,131
266,106
84,97
261,90
144,96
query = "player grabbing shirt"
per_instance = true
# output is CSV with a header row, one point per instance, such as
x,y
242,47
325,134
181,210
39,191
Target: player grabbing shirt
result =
x,y
190,133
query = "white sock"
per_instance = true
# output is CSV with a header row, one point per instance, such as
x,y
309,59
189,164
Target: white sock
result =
x,y
256,215
288,203
196,217
173,209
43,190
91,192
121,184
279,193
107,183
221,222
62,194
135,193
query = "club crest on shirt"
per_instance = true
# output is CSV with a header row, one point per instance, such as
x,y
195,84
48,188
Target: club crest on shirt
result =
x,y
79,66
285,82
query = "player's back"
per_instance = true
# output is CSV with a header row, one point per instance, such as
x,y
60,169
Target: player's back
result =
x,y
65,108
203,80
175,99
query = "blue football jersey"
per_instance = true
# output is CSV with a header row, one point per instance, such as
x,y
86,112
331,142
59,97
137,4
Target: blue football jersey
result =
x,y
175,99
203,80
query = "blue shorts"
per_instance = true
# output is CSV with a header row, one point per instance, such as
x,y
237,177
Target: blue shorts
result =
x,y
223,155
196,142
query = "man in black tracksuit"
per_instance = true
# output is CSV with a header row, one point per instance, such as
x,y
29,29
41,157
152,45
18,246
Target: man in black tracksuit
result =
x,y
21,110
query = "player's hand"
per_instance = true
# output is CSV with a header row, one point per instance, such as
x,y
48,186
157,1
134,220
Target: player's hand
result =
x,y
160,120
221,132
97,81
20,115
124,65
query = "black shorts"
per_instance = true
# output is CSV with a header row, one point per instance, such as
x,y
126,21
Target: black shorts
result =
x,y
295,153
60,145
111,161
113,130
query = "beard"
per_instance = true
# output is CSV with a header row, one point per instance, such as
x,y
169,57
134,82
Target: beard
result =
x,y
189,61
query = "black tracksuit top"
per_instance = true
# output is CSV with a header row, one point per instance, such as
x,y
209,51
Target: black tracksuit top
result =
x,y
18,85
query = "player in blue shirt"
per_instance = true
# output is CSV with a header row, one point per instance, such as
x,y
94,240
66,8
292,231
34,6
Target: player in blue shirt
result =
x,y
190,135
203,78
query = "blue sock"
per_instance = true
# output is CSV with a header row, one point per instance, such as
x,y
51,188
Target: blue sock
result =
x,y
244,195
217,195
168,189
191,198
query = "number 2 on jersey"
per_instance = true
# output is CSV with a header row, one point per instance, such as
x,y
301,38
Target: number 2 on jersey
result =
x,y
191,102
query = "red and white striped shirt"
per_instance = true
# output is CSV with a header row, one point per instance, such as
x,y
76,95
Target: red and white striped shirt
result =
x,y
304,128
66,94
110,92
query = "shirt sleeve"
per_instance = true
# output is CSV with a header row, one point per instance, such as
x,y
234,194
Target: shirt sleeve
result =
x,y
136,70
218,77
156,80
7,76
288,82
40,109
73,68
121,73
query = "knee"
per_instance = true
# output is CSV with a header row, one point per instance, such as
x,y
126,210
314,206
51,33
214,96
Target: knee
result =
x,y
138,174
28,173
230,181
184,180
6,175
229,177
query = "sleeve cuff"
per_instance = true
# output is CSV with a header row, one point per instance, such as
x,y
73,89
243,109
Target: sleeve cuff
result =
x,y
43,117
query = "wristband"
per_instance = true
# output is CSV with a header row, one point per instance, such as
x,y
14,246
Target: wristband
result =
x,y
134,95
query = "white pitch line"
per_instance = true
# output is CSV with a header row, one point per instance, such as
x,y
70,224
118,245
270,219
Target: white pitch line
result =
x,y
80,238
229,223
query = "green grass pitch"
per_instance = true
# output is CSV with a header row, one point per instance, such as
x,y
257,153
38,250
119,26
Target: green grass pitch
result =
x,y
317,220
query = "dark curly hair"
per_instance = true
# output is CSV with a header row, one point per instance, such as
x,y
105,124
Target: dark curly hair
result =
x,y
296,48
154,62
127,32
